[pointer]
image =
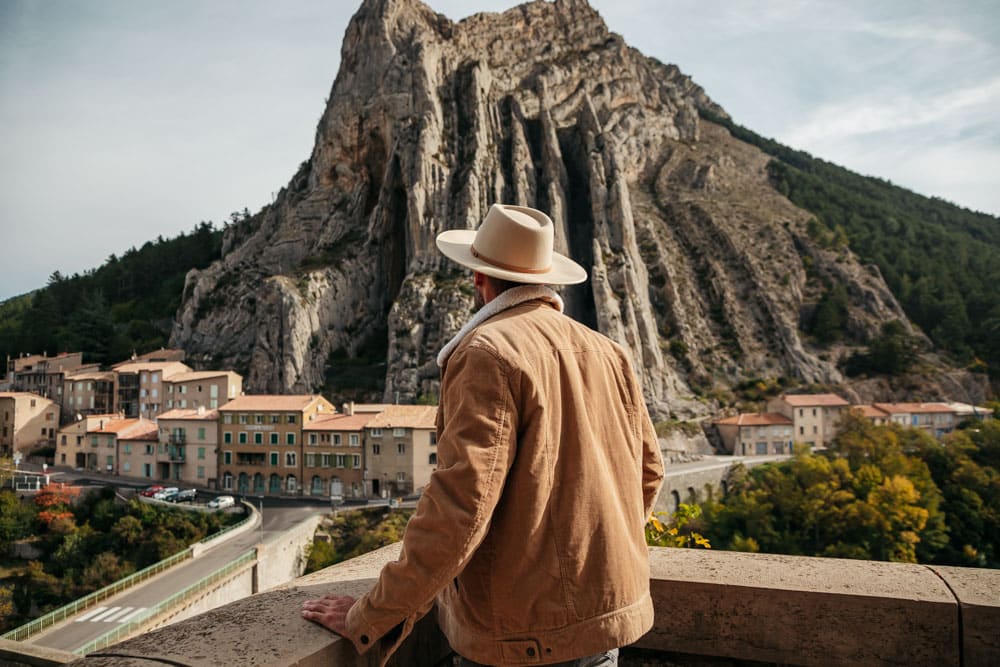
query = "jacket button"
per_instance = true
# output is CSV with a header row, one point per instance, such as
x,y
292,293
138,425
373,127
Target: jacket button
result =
x,y
364,639
531,652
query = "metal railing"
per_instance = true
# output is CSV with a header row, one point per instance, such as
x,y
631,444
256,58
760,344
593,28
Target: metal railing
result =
x,y
126,629
62,613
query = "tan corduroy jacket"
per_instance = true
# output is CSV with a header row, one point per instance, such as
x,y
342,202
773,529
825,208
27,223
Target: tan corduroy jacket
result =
x,y
530,532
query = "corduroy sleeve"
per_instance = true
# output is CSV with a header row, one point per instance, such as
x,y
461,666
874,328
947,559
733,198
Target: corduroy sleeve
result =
x,y
476,448
652,460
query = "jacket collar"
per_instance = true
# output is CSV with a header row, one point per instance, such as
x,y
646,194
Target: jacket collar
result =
x,y
512,297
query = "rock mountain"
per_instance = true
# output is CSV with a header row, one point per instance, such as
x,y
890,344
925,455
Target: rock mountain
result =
x,y
698,265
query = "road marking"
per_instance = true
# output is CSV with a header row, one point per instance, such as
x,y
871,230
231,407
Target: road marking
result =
x,y
109,612
95,612
125,611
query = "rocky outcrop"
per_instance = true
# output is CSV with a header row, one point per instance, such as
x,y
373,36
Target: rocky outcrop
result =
x,y
696,262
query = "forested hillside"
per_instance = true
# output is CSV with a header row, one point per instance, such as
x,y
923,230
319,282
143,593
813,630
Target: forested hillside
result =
x,y
127,304
941,261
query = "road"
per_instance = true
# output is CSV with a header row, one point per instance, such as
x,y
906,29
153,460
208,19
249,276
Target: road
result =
x,y
278,515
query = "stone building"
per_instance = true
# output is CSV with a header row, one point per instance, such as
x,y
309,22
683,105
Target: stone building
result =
x,y
333,452
187,451
27,421
815,417
401,452
260,442
756,434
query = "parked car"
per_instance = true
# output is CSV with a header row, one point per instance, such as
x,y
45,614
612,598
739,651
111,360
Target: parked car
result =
x,y
151,491
221,502
167,493
185,496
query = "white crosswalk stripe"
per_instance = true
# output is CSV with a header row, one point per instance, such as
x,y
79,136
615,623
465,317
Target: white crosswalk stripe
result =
x,y
90,614
111,615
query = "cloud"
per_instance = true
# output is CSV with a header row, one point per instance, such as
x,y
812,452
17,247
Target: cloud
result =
x,y
895,113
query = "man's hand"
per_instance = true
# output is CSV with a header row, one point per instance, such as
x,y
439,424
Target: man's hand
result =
x,y
330,611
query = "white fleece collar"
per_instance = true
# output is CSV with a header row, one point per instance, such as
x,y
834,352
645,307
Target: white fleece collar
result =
x,y
508,299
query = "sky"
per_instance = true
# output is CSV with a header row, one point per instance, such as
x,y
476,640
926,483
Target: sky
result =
x,y
125,120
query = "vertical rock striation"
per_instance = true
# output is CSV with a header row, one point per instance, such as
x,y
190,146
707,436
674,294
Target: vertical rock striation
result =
x,y
696,262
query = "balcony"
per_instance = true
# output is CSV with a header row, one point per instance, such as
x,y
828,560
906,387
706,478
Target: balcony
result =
x,y
177,439
712,608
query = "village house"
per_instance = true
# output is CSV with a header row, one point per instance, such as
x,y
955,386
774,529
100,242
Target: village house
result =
x,y
401,450
333,452
936,419
89,393
814,416
260,442
756,434
872,414
72,444
188,446
43,375
207,389
27,421
141,386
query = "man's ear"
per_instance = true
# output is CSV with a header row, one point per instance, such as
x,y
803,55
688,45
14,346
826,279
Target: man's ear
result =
x,y
478,279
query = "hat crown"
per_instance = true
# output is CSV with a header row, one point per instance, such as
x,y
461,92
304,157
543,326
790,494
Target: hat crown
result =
x,y
515,238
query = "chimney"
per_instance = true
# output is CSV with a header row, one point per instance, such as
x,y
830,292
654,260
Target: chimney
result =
x,y
348,408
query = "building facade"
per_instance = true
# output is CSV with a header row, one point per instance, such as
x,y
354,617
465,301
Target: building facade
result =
x,y
756,434
333,453
141,386
43,375
202,389
937,419
27,421
89,393
815,417
187,451
260,442
401,452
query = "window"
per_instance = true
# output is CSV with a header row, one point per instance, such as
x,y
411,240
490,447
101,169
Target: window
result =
x,y
227,438
801,412
312,438
434,438
354,440
274,438
274,459
311,460
258,438
213,391
289,459
400,447
275,419
110,460
325,460
336,438
201,472
155,378
201,453
339,460
400,476
376,433
243,438
227,481
290,438
802,430
399,432
258,419
814,412
356,463
147,470
182,389
201,433
814,429
155,393
376,449
151,449
432,459
291,419
227,418
762,448
93,441
127,467
243,419
127,448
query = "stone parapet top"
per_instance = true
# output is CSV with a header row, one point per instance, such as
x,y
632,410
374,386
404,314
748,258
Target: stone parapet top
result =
x,y
747,607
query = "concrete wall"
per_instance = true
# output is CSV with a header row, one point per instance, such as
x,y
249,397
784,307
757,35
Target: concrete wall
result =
x,y
283,558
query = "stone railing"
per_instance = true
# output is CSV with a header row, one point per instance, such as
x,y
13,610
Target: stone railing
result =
x,y
721,605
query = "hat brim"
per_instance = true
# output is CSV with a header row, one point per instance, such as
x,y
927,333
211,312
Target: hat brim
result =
x,y
456,245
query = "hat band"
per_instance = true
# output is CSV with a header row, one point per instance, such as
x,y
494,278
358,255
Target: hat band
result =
x,y
506,267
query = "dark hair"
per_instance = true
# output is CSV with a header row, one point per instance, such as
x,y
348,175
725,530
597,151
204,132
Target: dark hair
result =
x,y
501,285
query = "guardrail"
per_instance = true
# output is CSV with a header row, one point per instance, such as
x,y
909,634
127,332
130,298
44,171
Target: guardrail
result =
x,y
124,630
62,613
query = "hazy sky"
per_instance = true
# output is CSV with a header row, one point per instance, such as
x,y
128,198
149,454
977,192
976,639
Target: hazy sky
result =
x,y
122,120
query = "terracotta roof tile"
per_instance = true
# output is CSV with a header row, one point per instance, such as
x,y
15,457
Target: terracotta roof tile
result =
x,y
339,422
270,402
406,416
181,413
870,411
813,400
913,408
756,419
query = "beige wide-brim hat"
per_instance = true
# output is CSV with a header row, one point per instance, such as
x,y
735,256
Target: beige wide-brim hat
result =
x,y
513,243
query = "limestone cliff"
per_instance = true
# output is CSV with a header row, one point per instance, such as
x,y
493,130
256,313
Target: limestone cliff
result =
x,y
697,263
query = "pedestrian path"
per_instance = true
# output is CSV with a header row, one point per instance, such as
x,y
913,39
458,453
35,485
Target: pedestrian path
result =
x,y
110,615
